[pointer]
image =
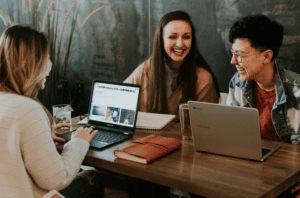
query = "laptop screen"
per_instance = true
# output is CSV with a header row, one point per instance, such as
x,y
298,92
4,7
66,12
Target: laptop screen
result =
x,y
114,105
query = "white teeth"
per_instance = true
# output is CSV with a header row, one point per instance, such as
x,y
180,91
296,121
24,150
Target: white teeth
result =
x,y
178,51
240,69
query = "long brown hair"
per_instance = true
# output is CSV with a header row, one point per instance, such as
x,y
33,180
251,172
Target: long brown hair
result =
x,y
23,55
187,73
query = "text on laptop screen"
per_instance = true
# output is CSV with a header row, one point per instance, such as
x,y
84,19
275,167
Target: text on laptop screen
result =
x,y
114,104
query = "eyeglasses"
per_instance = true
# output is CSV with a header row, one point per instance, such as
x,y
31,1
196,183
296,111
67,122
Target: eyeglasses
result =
x,y
239,57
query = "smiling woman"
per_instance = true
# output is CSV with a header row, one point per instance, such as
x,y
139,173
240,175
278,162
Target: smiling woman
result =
x,y
177,36
176,72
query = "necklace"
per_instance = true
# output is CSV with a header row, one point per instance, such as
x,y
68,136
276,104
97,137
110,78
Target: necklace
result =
x,y
270,89
263,100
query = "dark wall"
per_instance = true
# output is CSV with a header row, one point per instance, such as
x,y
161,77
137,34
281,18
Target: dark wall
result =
x,y
286,12
203,14
213,19
116,40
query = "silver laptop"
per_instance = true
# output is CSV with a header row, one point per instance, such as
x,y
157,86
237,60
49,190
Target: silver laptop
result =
x,y
228,130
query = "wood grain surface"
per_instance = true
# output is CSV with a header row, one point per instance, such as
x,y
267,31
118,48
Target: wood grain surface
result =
x,y
203,173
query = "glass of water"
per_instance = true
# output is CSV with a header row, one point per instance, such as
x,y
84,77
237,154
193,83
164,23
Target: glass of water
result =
x,y
185,122
62,114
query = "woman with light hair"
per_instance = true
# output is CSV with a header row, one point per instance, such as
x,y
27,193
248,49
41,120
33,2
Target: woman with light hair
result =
x,y
30,164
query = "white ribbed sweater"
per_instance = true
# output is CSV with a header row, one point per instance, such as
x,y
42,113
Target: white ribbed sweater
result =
x,y
30,165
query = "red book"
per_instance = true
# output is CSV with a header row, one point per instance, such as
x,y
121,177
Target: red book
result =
x,y
147,149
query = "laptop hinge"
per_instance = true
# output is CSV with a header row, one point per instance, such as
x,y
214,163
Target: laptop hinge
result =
x,y
126,133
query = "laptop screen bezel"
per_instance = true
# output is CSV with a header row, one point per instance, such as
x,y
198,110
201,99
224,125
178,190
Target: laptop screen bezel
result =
x,y
114,127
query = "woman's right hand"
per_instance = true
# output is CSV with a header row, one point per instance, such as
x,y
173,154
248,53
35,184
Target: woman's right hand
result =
x,y
84,133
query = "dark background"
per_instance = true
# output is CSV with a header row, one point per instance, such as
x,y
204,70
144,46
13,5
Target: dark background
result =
x,y
116,40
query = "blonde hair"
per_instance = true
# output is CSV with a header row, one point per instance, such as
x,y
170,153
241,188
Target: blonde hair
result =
x,y
23,56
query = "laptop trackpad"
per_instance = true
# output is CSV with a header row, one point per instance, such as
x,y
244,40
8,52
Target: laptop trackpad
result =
x,y
67,135
98,144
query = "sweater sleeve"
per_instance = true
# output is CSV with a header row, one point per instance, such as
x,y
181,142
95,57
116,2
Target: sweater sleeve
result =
x,y
206,91
48,169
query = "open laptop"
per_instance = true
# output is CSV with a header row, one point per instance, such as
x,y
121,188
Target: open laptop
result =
x,y
228,130
113,112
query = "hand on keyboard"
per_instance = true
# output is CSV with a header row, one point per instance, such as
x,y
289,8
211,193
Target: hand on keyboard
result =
x,y
84,133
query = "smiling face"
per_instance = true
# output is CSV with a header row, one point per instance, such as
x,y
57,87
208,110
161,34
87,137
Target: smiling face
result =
x,y
251,66
177,37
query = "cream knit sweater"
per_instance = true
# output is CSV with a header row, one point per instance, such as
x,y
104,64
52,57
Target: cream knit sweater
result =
x,y
30,165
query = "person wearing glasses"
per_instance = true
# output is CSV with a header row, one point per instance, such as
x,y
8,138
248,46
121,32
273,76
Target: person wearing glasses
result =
x,y
261,82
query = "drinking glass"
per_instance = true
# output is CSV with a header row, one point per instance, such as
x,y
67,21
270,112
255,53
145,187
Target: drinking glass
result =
x,y
185,122
62,114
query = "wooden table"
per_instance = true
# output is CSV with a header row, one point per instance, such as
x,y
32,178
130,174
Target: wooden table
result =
x,y
202,173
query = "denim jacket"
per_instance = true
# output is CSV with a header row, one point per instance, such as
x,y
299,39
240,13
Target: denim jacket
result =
x,y
285,113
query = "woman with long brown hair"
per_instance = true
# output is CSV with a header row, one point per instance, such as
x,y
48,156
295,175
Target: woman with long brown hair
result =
x,y
176,72
30,164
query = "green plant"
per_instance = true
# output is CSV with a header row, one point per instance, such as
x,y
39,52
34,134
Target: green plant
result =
x,y
60,40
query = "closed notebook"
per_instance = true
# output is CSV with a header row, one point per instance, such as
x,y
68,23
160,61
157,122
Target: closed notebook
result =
x,y
147,149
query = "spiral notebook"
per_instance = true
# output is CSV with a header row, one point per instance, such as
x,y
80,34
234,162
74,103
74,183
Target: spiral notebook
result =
x,y
151,121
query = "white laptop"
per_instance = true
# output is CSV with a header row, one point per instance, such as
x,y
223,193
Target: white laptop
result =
x,y
228,130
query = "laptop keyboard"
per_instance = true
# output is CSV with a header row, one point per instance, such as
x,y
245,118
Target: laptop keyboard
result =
x,y
265,151
107,137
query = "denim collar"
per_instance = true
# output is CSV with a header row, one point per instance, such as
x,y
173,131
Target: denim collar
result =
x,y
247,86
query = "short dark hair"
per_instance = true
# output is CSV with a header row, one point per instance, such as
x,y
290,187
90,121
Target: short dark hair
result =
x,y
262,32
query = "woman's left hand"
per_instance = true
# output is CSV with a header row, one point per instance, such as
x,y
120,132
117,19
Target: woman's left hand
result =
x,y
54,133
